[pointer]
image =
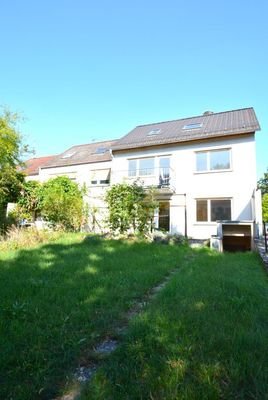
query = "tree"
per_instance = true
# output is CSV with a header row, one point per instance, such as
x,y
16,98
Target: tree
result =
x,y
263,186
265,207
29,200
263,183
62,203
11,152
130,207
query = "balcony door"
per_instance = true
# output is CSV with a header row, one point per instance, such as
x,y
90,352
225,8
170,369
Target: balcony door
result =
x,y
164,171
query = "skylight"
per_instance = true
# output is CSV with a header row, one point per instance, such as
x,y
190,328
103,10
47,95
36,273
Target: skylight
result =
x,y
193,126
68,155
101,150
154,132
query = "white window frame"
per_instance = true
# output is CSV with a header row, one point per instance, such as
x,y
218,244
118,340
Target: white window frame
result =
x,y
138,169
208,200
208,152
156,160
97,181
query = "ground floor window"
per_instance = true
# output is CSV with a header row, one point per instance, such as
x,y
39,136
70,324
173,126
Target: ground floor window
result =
x,y
164,216
210,210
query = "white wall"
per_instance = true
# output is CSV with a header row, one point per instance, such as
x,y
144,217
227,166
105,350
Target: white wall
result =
x,y
238,183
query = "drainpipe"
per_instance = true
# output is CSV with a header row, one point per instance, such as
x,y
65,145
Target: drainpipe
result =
x,y
185,216
185,213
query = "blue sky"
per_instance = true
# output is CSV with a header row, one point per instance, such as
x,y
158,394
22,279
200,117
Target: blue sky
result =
x,y
92,70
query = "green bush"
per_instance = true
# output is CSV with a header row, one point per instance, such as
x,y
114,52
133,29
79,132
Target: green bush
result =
x,y
62,203
130,208
265,207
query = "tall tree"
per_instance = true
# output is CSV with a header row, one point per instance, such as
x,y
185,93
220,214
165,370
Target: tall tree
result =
x,y
11,152
265,207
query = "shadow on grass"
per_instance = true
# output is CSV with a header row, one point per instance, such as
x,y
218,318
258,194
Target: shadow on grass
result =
x,y
59,299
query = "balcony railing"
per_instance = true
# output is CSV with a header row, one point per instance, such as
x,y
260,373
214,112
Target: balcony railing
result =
x,y
158,177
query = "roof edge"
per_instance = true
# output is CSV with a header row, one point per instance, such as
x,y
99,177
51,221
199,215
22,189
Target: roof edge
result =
x,y
138,145
197,116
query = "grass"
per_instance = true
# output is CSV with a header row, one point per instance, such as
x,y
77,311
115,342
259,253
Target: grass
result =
x,y
59,299
203,337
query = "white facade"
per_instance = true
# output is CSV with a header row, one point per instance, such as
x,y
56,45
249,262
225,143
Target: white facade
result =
x,y
234,186
197,183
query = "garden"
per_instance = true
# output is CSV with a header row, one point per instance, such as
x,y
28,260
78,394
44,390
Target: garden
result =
x,y
204,334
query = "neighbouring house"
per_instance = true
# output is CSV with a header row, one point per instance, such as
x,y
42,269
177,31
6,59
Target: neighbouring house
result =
x,y
33,165
203,169
89,165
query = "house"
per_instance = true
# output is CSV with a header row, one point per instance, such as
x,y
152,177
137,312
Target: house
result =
x,y
33,165
89,165
203,170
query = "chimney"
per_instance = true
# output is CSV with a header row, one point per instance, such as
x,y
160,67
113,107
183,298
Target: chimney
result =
x,y
208,112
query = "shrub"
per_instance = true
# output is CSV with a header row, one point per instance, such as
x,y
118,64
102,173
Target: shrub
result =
x,y
62,203
130,208
167,238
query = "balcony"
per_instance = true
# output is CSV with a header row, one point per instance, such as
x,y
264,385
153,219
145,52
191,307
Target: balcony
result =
x,y
161,178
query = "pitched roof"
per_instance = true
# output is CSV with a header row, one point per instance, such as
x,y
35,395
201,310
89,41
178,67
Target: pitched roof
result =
x,y
33,164
83,154
208,125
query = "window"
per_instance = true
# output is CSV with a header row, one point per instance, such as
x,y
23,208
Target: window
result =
x,y
146,166
68,154
164,171
220,210
211,210
193,126
213,160
100,177
154,132
201,210
141,167
132,168
101,150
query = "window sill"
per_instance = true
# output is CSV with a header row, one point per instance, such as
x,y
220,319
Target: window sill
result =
x,y
213,171
99,185
205,223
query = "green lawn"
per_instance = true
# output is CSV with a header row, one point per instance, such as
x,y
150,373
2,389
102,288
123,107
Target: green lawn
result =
x,y
61,298
205,336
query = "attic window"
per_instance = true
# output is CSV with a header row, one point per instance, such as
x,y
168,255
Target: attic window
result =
x,y
154,132
68,155
101,150
193,126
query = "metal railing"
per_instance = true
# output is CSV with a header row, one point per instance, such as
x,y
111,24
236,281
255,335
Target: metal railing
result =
x,y
160,177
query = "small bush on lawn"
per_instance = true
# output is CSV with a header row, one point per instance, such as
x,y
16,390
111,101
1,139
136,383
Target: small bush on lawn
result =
x,y
167,238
